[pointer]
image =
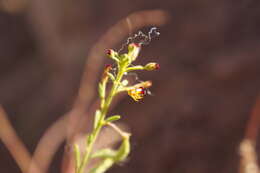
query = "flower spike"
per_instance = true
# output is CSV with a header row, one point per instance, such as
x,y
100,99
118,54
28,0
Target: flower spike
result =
x,y
116,74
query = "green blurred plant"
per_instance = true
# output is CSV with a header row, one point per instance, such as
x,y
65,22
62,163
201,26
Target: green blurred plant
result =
x,y
108,156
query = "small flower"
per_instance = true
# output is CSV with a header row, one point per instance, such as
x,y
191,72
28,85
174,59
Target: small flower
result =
x,y
152,66
138,91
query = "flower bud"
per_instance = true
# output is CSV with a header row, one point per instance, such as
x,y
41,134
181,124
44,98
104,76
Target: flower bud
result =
x,y
112,54
152,66
133,50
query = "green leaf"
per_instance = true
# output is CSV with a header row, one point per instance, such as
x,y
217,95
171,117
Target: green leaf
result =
x,y
113,118
77,156
103,166
97,118
123,150
104,153
101,90
89,139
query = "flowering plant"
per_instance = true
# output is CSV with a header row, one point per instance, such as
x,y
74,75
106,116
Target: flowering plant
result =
x,y
124,65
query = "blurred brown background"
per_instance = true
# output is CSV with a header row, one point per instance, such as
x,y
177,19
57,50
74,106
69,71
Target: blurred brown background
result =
x,y
203,93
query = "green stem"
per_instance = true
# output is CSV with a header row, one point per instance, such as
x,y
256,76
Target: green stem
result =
x,y
104,110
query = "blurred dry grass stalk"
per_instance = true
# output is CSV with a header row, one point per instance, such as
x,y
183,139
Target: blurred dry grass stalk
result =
x,y
71,125
13,6
249,160
14,143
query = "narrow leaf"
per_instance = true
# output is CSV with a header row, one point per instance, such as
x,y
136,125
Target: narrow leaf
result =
x,y
104,153
97,118
103,166
123,150
113,118
77,156
89,139
101,90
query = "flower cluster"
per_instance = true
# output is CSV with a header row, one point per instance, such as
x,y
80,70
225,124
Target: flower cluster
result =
x,y
125,63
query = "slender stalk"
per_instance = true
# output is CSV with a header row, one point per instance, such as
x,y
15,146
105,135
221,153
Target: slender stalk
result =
x,y
104,110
